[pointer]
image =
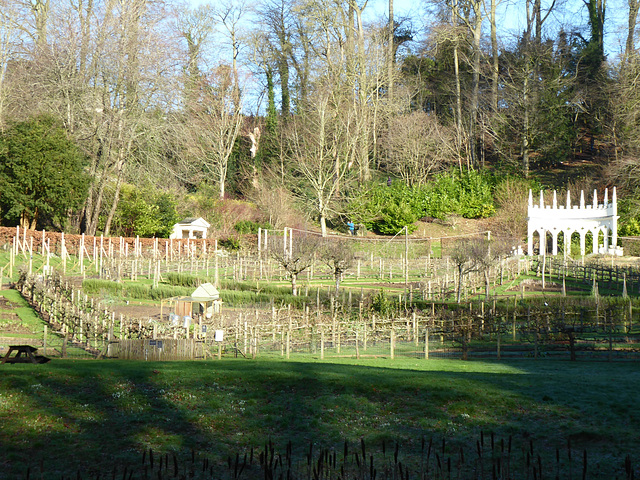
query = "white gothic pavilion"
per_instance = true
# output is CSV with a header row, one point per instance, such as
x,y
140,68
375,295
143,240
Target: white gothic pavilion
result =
x,y
583,219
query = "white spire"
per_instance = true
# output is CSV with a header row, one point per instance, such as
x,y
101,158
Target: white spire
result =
x,y
581,198
530,198
606,196
555,200
541,199
568,199
595,198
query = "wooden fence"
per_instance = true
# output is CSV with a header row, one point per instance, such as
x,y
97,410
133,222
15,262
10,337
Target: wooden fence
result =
x,y
156,349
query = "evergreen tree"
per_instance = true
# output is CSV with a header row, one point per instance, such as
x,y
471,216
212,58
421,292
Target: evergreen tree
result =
x,y
42,176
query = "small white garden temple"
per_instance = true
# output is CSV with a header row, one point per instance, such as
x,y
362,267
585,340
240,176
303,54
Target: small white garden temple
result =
x,y
584,220
190,228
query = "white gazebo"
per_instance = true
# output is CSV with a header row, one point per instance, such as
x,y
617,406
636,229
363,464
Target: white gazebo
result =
x,y
570,219
190,228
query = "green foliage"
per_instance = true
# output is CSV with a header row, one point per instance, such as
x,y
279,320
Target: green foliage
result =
x,y
41,173
629,225
146,213
467,194
394,217
133,290
630,228
183,279
231,244
382,305
247,226
387,210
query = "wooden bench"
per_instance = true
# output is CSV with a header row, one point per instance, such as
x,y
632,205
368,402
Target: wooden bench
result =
x,y
24,354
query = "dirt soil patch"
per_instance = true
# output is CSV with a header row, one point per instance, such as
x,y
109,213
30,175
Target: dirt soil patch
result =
x,y
140,311
536,286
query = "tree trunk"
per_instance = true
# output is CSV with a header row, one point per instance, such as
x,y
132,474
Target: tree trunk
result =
x,y
222,182
486,285
494,59
390,52
294,286
114,205
634,6
323,225
475,90
456,69
525,133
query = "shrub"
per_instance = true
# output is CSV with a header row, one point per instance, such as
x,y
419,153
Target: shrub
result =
x,y
247,226
394,218
231,244
147,213
386,209
382,305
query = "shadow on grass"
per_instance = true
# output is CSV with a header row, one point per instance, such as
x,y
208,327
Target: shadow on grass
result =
x,y
94,415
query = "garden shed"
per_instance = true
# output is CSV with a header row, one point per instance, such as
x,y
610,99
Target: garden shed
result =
x,y
205,300
190,228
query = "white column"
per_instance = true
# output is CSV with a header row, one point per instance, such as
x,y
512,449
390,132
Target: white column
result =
x,y
583,237
554,242
595,240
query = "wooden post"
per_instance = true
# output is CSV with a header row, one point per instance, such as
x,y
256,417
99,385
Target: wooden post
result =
x,y
392,342
288,343
426,344
322,344
364,340
30,255
406,255
245,339
357,348
216,277
44,342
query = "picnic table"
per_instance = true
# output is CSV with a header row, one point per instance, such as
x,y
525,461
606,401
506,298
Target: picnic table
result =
x,y
24,354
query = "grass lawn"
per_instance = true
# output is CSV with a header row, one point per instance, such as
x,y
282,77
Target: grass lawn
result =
x,y
92,415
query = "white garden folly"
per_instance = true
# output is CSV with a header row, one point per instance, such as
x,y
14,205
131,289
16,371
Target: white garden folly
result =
x,y
568,220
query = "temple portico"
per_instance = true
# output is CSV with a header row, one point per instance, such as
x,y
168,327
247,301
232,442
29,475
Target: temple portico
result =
x,y
552,220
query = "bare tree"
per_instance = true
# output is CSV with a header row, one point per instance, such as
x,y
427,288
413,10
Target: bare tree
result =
x,y
319,153
476,255
214,123
272,198
9,43
294,257
195,26
417,145
338,256
229,14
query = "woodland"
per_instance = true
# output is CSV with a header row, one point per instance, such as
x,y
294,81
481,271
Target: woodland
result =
x,y
122,117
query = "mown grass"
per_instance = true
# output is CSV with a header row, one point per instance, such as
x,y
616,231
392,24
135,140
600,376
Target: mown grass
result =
x,y
95,414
